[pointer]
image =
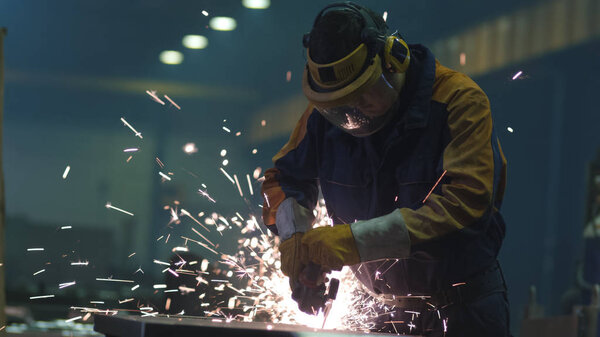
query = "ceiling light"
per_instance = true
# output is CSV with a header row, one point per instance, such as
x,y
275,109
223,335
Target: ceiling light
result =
x,y
171,57
222,23
256,4
195,41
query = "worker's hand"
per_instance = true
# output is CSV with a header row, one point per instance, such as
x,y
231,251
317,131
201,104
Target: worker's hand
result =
x,y
292,253
330,247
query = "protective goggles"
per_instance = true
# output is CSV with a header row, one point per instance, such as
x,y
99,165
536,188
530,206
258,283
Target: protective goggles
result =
x,y
352,93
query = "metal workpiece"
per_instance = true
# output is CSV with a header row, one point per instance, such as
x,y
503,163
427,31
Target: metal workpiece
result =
x,y
163,326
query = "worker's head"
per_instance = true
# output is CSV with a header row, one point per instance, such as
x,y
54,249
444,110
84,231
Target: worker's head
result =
x,y
354,70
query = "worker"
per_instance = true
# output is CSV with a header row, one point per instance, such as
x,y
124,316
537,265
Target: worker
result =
x,y
404,153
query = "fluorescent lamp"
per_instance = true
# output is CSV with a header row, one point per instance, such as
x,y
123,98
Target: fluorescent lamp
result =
x,y
256,4
171,57
222,23
195,41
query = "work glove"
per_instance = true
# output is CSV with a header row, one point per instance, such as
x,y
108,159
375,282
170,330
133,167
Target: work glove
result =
x,y
291,253
292,221
330,247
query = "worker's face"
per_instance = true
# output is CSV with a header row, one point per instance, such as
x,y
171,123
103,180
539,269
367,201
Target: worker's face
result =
x,y
379,98
369,112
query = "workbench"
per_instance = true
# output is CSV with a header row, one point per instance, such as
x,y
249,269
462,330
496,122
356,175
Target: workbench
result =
x,y
163,326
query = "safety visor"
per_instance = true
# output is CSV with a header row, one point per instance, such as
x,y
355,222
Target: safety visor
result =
x,y
352,93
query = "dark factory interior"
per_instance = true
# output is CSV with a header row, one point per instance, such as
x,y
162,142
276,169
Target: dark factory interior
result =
x,y
136,137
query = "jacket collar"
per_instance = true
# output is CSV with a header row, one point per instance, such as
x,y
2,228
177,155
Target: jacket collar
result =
x,y
422,74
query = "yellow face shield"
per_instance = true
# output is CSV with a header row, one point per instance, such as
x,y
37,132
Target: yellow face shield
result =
x,y
352,93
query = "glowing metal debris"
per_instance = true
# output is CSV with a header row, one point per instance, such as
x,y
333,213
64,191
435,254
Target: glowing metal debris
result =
x,y
510,129
205,13
205,194
160,163
113,280
35,249
40,297
109,205
434,186
131,149
517,75
39,272
227,175
67,169
237,183
171,101
80,263
137,134
249,185
223,153
159,286
135,287
126,300
226,129
166,177
190,148
225,162
66,227
73,319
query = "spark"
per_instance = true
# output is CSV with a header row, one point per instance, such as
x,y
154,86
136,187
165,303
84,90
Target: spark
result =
x,y
263,123
458,284
227,175
80,263
180,249
267,199
161,262
254,151
249,185
171,101
39,297
385,14
126,300
226,129
173,272
166,177
225,162
510,129
39,272
223,153
135,287
201,244
72,319
137,134
131,149
96,302
109,205
154,97
256,173
35,249
205,13
239,215
202,236
130,255
86,316
190,148
160,163
517,75
237,134
66,227
186,213
288,76
205,194
463,59
237,183
67,169
434,186
128,159
113,280
159,286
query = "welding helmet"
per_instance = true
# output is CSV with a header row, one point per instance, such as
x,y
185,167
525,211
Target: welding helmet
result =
x,y
358,93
